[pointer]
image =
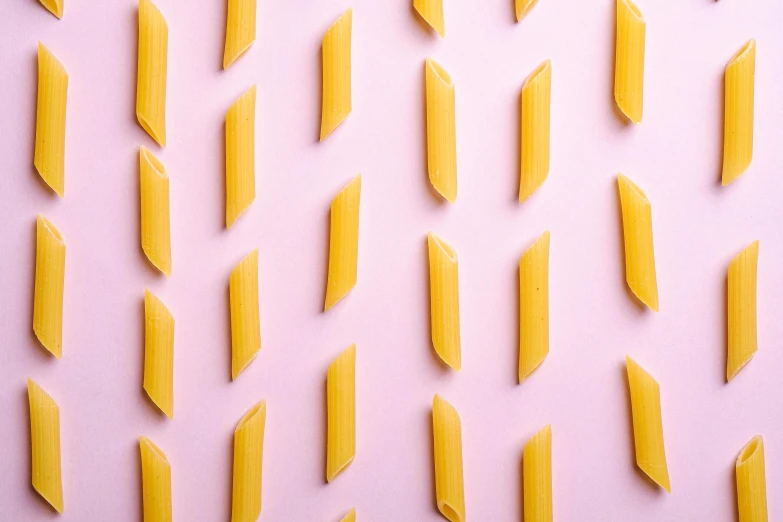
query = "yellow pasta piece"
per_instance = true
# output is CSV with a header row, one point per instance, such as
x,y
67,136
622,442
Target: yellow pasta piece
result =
x,y
523,7
240,29
49,282
444,301
441,130
638,238
336,49
155,482
49,155
742,342
740,81
447,444
350,517
432,13
248,462
240,156
45,445
534,306
629,60
151,79
752,482
343,243
647,424
54,6
341,413
159,354
155,220
245,328
537,476
534,131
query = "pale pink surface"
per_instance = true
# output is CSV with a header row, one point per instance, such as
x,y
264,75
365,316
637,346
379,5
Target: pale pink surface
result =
x,y
581,388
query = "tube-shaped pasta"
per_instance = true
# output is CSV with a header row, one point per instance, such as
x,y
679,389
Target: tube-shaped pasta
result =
x,y
740,81
248,462
54,6
534,306
432,13
336,56
341,413
151,75
155,482
49,155
155,219
629,60
240,156
647,424
537,476
638,238
441,130
343,243
159,354
245,328
447,444
742,342
444,301
49,283
240,29
752,482
350,517
523,7
534,130
45,445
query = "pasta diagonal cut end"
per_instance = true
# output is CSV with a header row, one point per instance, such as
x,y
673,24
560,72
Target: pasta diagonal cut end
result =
x,y
431,11
523,7
54,6
350,517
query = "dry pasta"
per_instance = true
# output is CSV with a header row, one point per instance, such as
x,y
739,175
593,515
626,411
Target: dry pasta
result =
x,y
240,29
523,7
738,112
629,60
155,213
343,243
534,130
752,482
742,341
341,413
151,78
245,327
444,301
336,55
45,445
155,482
534,306
240,156
431,12
447,444
537,476
49,283
159,354
248,463
49,155
638,239
54,6
441,130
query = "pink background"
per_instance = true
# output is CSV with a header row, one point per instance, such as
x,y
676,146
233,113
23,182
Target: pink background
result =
x,y
581,389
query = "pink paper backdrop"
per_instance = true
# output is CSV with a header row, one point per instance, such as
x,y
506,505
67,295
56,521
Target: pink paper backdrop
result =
x,y
581,388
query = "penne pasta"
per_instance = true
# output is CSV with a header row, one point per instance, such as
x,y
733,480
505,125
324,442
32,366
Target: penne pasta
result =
x,y
159,354
431,12
151,78
49,283
740,80
240,156
752,482
45,445
248,463
343,243
49,155
537,476
441,130
447,443
350,517
534,306
155,482
54,6
444,301
638,239
534,130
336,55
647,424
245,328
523,7
155,220
742,342
240,29
629,60
341,413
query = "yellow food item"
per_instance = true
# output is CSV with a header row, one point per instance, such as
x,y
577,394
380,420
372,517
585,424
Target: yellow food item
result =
x,y
45,445
240,156
638,238
240,29
647,424
534,130
54,6
155,482
350,517
49,155
447,444
343,243
248,460
151,76
341,413
742,342
740,81
49,282
159,354
245,327
432,13
752,482
537,476
629,60
336,55
441,130
444,301
534,306
523,7
155,219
